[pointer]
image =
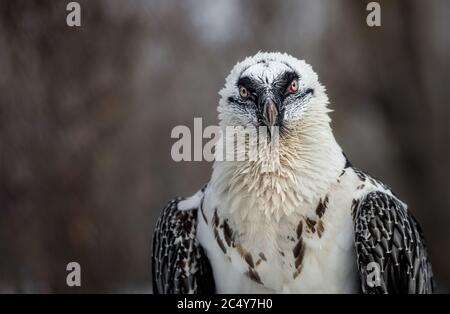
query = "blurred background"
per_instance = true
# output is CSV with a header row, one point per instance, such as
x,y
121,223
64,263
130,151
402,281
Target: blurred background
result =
x,y
86,115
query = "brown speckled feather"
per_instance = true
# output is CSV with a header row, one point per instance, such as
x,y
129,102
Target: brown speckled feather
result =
x,y
387,234
179,264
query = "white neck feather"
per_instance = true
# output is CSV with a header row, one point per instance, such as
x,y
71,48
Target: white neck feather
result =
x,y
310,160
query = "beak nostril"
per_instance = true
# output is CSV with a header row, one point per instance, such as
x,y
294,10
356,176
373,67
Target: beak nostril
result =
x,y
270,113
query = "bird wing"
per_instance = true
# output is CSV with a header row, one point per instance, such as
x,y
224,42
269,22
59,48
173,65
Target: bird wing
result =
x,y
179,264
390,249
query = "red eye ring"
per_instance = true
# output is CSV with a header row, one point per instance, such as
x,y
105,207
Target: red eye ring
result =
x,y
293,88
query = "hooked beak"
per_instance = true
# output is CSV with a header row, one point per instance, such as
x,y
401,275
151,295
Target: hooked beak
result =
x,y
270,113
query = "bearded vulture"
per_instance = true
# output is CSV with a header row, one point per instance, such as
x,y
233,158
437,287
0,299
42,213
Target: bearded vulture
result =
x,y
311,224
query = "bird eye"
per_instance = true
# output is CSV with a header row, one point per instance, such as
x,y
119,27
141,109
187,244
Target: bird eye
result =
x,y
243,92
293,88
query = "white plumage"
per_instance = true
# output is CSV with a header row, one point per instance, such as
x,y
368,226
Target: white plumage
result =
x,y
292,229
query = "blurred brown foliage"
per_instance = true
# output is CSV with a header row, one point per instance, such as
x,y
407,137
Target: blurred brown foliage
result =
x,y
86,115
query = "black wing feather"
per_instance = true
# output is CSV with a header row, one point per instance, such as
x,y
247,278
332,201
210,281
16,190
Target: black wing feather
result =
x,y
387,234
179,264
